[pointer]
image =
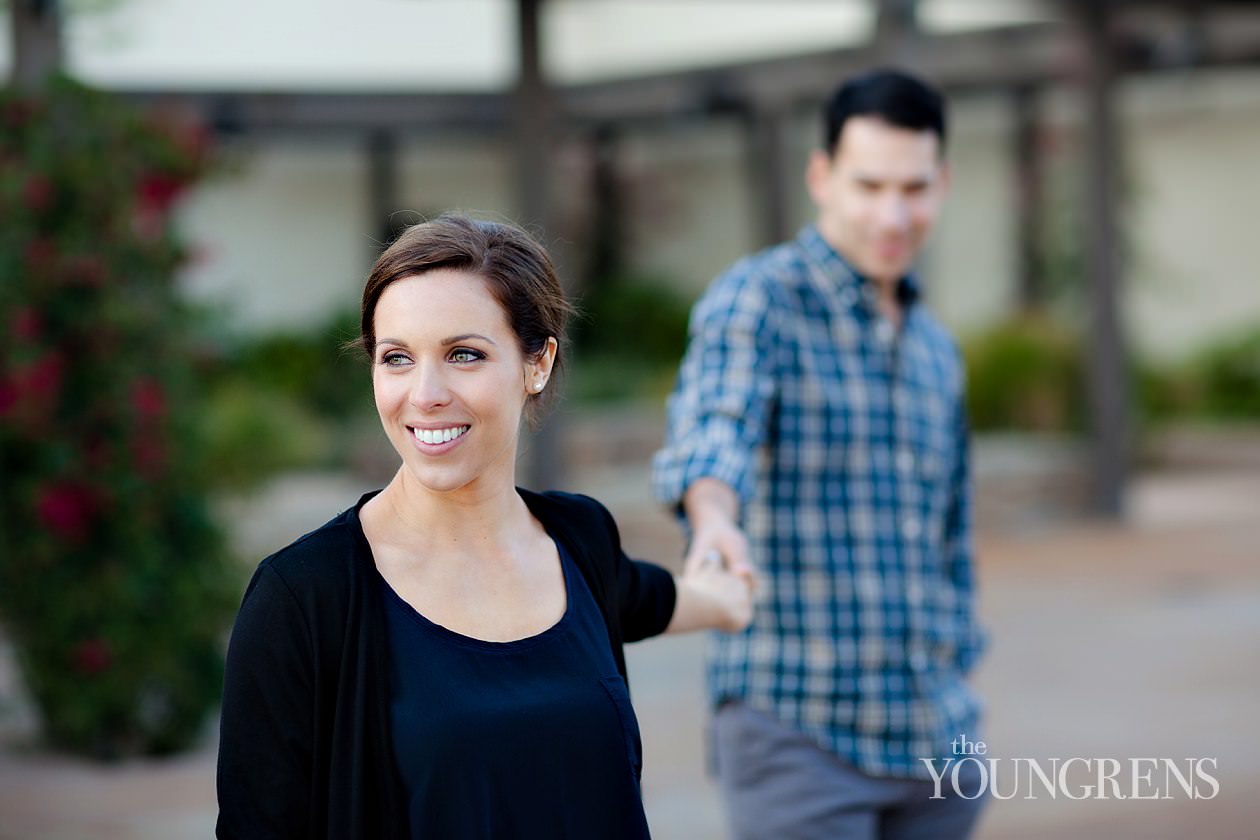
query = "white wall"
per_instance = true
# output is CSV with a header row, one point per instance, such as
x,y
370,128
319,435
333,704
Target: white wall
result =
x,y
284,239
1194,149
289,239
969,267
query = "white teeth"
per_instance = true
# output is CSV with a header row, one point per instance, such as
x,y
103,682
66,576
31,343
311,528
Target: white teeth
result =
x,y
434,436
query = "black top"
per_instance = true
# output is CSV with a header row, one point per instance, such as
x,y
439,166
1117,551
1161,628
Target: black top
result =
x,y
305,749
521,739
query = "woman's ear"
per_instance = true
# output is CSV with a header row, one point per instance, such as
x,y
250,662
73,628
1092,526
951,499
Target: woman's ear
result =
x,y
538,371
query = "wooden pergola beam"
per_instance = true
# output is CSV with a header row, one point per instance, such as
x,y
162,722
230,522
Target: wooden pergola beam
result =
x,y
961,63
240,112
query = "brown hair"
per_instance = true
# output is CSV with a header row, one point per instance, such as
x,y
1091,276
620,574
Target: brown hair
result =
x,y
516,267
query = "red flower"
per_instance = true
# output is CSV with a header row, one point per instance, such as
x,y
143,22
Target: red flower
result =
x,y
96,451
148,456
92,656
158,191
8,395
26,324
18,112
66,508
43,378
87,270
148,399
31,391
37,193
40,255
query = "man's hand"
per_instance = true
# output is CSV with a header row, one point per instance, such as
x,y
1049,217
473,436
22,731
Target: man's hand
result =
x,y
710,596
712,510
718,580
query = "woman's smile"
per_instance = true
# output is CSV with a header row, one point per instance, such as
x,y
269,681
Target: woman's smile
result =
x,y
437,440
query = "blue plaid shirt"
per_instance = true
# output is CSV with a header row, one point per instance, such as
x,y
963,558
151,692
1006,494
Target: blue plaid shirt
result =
x,y
847,443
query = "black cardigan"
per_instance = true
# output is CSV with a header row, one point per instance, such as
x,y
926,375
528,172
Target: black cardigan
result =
x,y
305,747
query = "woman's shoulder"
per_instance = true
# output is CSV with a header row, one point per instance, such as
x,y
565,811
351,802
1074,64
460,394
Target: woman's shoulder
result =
x,y
327,558
574,513
561,501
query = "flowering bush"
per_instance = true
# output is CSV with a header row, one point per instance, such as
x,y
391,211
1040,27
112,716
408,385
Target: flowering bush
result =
x,y
114,585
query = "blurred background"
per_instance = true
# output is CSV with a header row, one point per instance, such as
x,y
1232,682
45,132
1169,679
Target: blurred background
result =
x,y
191,202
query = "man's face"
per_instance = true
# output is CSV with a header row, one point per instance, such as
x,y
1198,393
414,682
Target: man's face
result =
x,y
878,195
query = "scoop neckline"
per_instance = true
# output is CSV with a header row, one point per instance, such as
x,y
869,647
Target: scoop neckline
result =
x,y
509,645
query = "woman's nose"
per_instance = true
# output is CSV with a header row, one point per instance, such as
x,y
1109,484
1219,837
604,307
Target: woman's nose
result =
x,y
430,388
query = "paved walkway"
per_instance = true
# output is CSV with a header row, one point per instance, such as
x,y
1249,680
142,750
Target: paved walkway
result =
x,y
1107,642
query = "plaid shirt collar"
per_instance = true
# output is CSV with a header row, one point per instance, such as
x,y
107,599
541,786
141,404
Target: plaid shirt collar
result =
x,y
836,277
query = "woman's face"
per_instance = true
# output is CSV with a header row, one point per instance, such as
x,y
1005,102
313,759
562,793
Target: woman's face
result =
x,y
450,380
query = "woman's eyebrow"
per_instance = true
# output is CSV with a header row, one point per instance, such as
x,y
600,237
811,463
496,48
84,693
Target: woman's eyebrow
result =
x,y
456,339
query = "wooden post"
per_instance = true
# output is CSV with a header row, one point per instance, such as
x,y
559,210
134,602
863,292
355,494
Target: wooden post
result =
x,y
534,118
382,148
1107,365
606,256
37,42
896,31
532,143
1029,199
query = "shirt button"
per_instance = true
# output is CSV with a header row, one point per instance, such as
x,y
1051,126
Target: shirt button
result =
x,y
883,332
911,528
905,460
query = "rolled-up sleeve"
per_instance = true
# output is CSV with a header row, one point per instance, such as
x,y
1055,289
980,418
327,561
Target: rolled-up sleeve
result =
x,y
721,402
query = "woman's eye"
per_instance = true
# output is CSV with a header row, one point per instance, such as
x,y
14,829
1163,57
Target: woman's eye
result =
x,y
393,359
463,354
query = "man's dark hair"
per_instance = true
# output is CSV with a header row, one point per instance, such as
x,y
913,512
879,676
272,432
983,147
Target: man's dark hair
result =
x,y
895,97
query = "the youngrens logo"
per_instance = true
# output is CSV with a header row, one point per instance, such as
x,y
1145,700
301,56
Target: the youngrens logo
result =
x,y
971,773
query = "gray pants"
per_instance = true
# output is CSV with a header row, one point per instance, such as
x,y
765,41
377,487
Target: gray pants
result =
x,y
779,784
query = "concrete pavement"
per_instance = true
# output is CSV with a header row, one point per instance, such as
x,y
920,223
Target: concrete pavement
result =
x,y
1107,642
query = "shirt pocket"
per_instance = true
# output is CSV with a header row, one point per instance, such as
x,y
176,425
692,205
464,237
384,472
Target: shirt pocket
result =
x,y
620,696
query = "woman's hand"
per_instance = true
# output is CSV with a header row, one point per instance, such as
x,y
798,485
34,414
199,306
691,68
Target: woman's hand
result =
x,y
711,595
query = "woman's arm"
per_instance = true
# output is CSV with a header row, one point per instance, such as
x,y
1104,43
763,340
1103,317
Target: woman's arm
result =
x,y
265,746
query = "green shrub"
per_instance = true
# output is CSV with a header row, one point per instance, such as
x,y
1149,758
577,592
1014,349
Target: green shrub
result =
x,y
629,339
1229,374
115,588
1219,383
281,401
1025,374
1167,392
308,366
253,432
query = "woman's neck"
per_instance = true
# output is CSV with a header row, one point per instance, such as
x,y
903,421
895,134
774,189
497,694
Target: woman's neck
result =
x,y
477,520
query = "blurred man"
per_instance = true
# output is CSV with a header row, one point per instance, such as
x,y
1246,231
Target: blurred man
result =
x,y
817,430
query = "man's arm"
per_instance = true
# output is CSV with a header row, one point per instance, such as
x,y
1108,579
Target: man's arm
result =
x,y
712,509
718,415
959,547
715,589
